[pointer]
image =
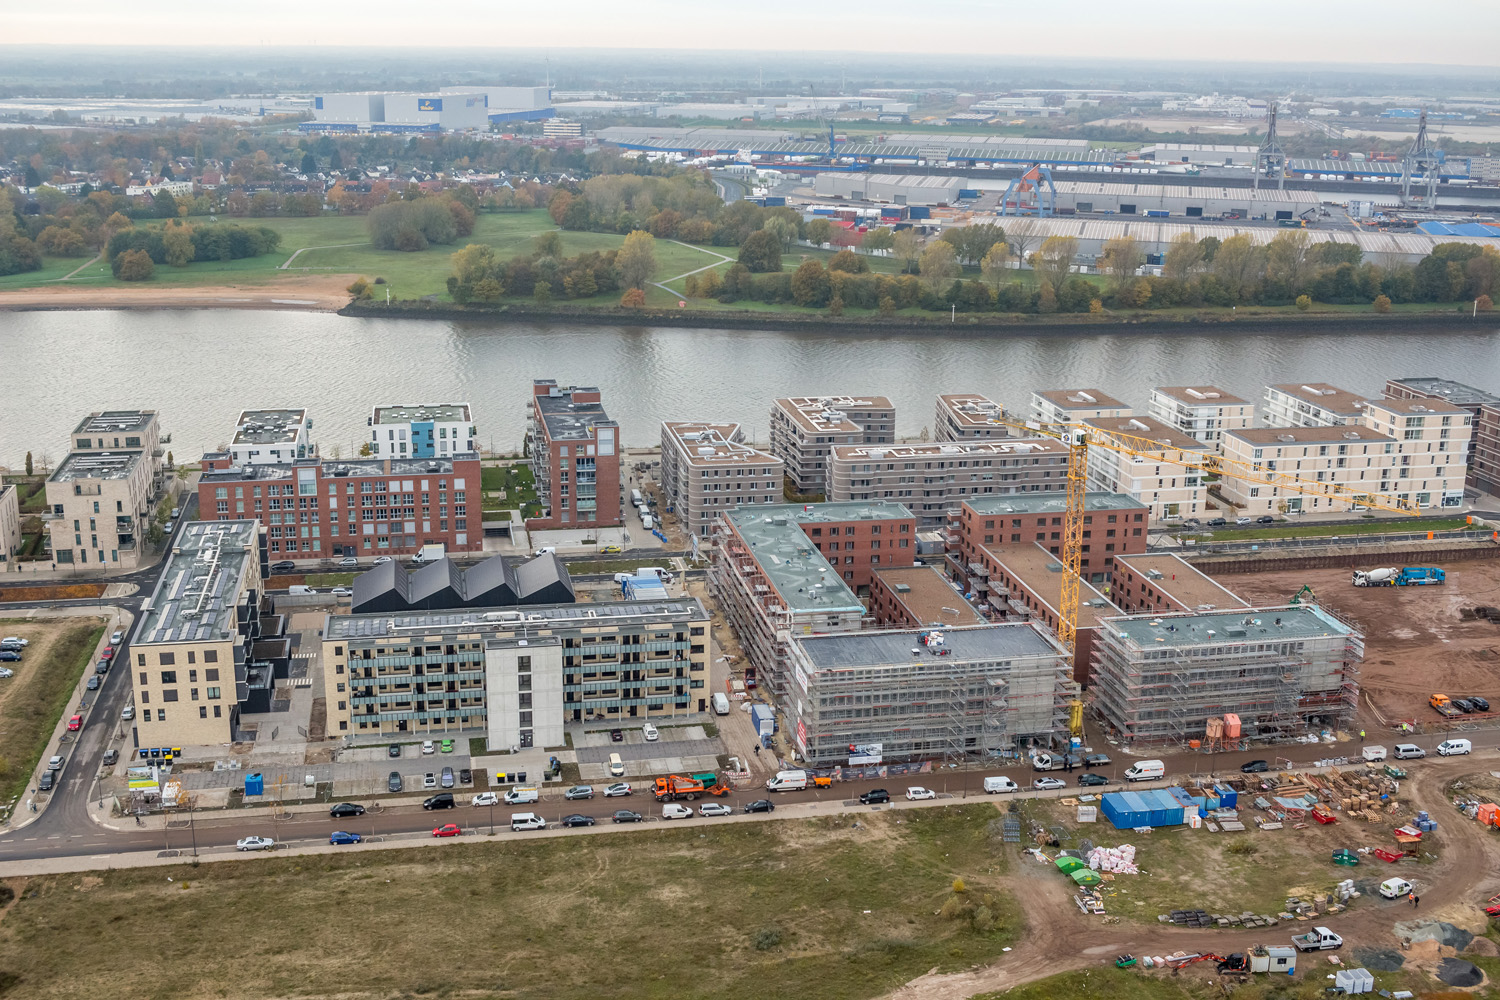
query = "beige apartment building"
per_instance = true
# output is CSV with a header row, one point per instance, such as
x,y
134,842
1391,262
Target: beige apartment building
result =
x,y
707,469
1355,459
1150,475
1073,406
1432,445
1312,404
931,480
968,416
1203,413
99,507
805,429
122,430
191,655
10,526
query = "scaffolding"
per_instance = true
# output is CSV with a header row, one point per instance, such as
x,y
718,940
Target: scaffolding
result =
x,y
1281,670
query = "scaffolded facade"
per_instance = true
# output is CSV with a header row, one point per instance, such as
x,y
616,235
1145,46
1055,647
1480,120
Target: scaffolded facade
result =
x,y
1160,678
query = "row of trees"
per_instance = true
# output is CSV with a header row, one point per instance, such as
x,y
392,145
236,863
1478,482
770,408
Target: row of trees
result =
x,y
545,274
179,244
415,225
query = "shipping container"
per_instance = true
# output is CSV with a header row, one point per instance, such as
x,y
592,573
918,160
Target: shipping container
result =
x,y
918,212
1157,213
763,719
969,193
774,201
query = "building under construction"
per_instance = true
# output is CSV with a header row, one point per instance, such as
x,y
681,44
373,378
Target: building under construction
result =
x,y
911,693
1281,670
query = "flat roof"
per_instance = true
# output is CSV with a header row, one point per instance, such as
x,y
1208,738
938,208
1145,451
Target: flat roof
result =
x,y
1202,395
541,617
1149,427
971,409
1081,399
1345,434
115,420
1181,579
405,413
195,599
1417,406
1304,621
1042,573
954,449
1329,397
1049,503
825,414
928,596
96,465
348,468
1455,392
894,647
269,426
708,445
566,420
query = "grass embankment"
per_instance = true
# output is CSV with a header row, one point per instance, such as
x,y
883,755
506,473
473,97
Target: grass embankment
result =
x,y
34,699
1285,530
798,908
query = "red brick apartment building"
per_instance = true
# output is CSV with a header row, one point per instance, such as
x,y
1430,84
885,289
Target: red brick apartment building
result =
x,y
575,450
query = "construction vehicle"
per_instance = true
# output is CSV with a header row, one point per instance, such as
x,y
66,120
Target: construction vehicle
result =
x,y
1444,706
1407,576
1305,594
676,786
1384,577
1317,939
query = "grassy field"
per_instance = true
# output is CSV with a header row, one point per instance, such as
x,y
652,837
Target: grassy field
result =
x,y
1286,530
747,910
34,699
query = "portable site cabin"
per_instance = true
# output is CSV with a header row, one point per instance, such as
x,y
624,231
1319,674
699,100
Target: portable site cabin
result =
x,y
1128,810
1488,815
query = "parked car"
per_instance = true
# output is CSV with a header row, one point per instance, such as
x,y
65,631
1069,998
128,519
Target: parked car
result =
x,y
611,550
487,799
75,723
14,640
348,562
393,782
578,819
446,779
254,844
429,780
427,747
1217,522
6,672
93,684
394,750
102,667
447,830
1097,760
917,793
875,796
115,637
714,809
108,654
442,800
9,656
618,788
344,837
649,731
1242,520
527,821
111,758
446,746
175,513
381,560
616,736
1254,767
347,809
1265,519
1085,780
676,810
760,806
46,781
1480,704
626,816
341,592
127,713
1046,784
285,566
1463,705
55,762
465,776
579,792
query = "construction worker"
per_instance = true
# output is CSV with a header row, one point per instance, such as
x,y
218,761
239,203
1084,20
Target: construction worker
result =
x,y
1361,735
1413,897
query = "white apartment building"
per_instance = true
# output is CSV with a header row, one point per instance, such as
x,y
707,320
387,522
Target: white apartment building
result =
x,y
1432,438
707,469
437,430
1072,406
804,430
271,437
1357,460
1311,404
1150,475
1203,413
968,416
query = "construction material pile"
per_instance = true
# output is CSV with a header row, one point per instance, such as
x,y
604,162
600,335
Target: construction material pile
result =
x,y
1120,860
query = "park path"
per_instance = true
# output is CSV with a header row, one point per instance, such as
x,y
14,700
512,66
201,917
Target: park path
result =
x,y
334,246
712,253
93,260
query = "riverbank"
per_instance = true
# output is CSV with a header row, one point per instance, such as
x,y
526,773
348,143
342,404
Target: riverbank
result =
x,y
302,293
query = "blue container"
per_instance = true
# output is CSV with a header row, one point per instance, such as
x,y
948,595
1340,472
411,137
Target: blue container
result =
x,y
918,212
1157,213
774,201
1125,810
969,193
1228,797
255,784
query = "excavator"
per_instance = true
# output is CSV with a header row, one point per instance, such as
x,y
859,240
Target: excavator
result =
x,y
1304,596
1235,964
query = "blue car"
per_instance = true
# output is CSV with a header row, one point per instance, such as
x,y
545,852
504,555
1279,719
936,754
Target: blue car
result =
x,y
340,837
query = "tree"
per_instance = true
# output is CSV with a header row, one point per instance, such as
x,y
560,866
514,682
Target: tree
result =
x,y
1022,235
30,177
849,262
1304,303
60,242
1286,259
335,160
164,204
819,231
784,229
761,252
558,205
810,285
907,247
135,265
117,222
634,298
474,263
879,238
28,463
1382,304
548,244
636,260
1239,264
972,242
1210,247
309,164
178,241
1183,257
939,263
1122,255
995,262
1052,262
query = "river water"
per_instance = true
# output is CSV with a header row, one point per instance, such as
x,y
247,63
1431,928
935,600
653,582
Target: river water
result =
x,y
200,368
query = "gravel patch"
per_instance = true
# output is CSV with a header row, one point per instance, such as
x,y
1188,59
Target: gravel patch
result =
x,y
1379,959
1440,931
1457,972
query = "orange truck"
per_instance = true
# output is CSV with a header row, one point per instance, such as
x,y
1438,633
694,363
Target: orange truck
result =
x,y
1443,706
676,786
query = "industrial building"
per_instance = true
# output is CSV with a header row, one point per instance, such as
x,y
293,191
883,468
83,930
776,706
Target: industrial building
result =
x,y
1203,413
441,586
932,479
509,104
1182,200
592,108
968,416
707,469
918,596
557,128
1153,475
1483,459
805,429
1160,678
515,675
1073,406
575,450
727,112
271,437
400,112
416,430
894,189
905,694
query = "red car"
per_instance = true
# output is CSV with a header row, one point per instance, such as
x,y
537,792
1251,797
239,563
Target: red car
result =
x,y
448,830
75,723
108,654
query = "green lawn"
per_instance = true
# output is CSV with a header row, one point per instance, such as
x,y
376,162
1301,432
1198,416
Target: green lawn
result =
x,y
517,481
1283,529
60,651
52,269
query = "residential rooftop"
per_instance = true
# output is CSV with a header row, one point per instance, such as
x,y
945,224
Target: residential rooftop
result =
x,y
566,420
829,414
406,413
96,465
1416,407
1049,503
1329,397
1454,392
970,409
195,598
269,426
1251,625
708,445
1042,572
541,619
115,420
1202,395
1150,428
1081,399
435,466
900,647
954,449
1346,434
1173,575
927,596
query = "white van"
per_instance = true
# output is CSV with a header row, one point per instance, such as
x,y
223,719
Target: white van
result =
x,y
1145,770
647,522
300,589
616,766
1395,888
1372,754
546,550
656,571
673,810
787,781
527,821
1452,748
721,703
1409,751
517,796
1000,784
635,497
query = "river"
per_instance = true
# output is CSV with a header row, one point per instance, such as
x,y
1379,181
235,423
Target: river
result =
x,y
200,368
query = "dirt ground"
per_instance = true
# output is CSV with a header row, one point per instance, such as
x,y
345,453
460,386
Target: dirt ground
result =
x,y
320,293
1415,643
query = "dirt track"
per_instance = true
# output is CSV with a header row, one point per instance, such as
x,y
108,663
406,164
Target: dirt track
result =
x,y
320,293
1059,938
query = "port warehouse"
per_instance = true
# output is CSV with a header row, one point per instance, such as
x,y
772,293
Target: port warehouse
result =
x,y
449,109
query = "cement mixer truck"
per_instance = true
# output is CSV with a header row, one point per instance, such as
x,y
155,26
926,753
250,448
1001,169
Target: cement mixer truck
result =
x,y
1384,577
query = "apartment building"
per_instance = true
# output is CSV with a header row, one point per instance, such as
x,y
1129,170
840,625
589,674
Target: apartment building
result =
x,y
906,694
1354,461
192,667
517,676
707,468
1282,670
1483,459
10,525
805,430
793,570
271,437
99,509
122,430
1432,442
917,596
932,479
1162,581
1149,474
575,450
1314,404
968,416
1113,524
1074,406
365,507
415,430
1203,413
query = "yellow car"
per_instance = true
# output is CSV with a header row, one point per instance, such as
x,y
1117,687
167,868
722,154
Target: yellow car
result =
x,y
611,550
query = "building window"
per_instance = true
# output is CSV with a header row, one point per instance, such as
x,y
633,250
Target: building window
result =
x,y
211,674
202,711
169,695
161,715
217,713
166,659
213,694
169,677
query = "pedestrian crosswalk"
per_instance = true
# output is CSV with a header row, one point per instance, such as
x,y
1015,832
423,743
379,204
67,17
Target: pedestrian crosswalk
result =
x,y
301,682
303,656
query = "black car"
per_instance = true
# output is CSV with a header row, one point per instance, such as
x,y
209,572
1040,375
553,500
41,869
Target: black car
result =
x,y
111,757
102,667
616,736
46,781
1463,705
393,783
285,566
1217,522
395,750
1097,760
875,796
465,776
626,816
764,806
9,656
1265,519
1480,704
93,684
347,809
1092,779
577,820
442,800
1254,767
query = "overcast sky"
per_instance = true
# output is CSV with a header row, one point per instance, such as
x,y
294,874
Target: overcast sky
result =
x,y
1314,32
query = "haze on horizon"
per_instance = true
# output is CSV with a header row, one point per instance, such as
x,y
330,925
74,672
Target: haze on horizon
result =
x,y
1453,33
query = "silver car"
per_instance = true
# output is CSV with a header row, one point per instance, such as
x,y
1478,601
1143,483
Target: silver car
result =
x,y
579,792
